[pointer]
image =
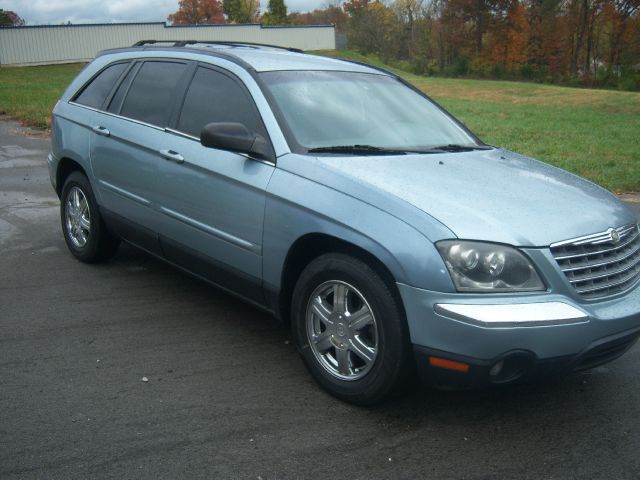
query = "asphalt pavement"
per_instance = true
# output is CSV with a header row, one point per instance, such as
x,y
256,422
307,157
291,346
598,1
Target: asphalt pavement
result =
x,y
134,370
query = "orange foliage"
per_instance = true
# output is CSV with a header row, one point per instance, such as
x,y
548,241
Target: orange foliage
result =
x,y
511,37
193,12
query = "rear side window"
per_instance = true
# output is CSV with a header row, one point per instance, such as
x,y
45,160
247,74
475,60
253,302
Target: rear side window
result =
x,y
215,97
152,92
94,94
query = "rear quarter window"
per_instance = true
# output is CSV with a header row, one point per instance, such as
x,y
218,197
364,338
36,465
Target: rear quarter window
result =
x,y
96,92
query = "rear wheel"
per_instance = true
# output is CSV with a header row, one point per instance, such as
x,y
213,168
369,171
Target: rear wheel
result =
x,y
84,231
349,329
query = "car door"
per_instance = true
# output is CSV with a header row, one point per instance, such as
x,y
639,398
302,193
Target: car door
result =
x,y
213,201
125,151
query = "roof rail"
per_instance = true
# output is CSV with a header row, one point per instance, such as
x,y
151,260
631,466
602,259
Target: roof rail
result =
x,y
186,43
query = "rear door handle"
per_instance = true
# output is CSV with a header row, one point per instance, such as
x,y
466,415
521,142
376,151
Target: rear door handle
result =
x,y
100,130
172,155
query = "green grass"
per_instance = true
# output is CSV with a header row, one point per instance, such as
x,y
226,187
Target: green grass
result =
x,y
29,93
594,133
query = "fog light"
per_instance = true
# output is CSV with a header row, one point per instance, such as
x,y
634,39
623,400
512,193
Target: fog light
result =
x,y
511,367
497,368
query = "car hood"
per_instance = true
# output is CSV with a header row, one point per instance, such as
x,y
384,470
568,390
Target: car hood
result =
x,y
493,195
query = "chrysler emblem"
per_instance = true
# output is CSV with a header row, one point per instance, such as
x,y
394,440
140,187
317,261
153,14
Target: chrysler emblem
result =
x,y
615,236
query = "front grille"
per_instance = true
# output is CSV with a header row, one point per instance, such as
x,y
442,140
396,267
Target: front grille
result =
x,y
596,265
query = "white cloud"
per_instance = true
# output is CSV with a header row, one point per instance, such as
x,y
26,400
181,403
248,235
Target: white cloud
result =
x,y
38,12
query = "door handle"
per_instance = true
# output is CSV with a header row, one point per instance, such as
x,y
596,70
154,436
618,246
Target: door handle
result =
x,y
100,130
172,155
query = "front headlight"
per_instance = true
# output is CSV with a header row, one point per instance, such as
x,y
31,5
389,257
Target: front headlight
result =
x,y
488,267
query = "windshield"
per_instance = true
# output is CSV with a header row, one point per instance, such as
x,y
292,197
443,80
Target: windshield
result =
x,y
334,109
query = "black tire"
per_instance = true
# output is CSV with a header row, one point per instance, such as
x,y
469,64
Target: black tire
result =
x,y
90,245
391,366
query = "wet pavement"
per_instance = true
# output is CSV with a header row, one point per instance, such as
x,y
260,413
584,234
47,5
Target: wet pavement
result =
x,y
225,394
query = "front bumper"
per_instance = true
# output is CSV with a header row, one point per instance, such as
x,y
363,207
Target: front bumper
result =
x,y
516,366
533,334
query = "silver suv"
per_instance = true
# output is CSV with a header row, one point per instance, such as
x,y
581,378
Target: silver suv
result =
x,y
344,201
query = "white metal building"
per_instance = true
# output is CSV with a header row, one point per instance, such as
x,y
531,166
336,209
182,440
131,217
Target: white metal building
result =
x,y
40,45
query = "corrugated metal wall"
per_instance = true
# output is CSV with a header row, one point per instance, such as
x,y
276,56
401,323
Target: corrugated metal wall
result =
x,y
75,43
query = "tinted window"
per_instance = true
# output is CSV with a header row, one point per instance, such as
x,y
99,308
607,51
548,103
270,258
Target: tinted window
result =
x,y
96,92
152,93
215,97
118,97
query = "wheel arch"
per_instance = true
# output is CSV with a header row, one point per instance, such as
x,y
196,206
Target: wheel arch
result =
x,y
66,166
312,245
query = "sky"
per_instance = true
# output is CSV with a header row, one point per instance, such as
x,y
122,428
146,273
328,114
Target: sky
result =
x,y
39,12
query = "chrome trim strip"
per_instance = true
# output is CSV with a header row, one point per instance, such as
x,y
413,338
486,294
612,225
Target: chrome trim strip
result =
x,y
167,129
606,250
601,264
129,119
182,134
513,315
608,273
125,193
213,231
595,237
196,139
604,286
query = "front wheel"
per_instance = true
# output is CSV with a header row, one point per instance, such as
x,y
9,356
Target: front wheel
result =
x,y
84,231
350,329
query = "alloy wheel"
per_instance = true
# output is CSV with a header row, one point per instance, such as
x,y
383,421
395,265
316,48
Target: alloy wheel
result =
x,y
342,330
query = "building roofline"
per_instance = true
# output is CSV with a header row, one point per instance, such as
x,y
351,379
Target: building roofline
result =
x,y
164,24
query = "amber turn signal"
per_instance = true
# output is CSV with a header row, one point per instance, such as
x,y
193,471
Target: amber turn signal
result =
x,y
448,364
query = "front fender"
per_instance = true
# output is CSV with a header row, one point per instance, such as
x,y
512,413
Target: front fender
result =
x,y
297,206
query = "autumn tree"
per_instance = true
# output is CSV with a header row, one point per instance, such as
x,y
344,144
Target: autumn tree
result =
x,y
195,12
623,29
276,13
410,13
241,11
10,19
591,42
331,15
374,28
510,37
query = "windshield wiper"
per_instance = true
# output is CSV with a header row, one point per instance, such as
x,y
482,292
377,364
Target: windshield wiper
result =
x,y
357,149
459,148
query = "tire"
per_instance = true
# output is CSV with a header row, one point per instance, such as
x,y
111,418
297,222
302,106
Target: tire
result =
x,y
84,231
366,322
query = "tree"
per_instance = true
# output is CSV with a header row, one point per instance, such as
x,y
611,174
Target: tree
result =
x,y
241,11
276,13
593,42
511,34
374,28
195,12
10,19
331,15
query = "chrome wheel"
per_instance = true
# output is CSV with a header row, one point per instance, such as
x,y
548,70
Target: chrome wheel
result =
x,y
342,330
77,217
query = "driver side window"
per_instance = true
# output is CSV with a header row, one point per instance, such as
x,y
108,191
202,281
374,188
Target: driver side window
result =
x,y
215,97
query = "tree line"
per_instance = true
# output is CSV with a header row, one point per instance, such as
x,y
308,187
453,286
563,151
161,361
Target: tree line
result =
x,y
590,42
579,42
576,42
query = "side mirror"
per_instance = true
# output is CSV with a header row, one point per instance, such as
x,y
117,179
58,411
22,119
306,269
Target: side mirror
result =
x,y
235,137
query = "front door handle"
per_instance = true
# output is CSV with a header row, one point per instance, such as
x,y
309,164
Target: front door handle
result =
x,y
172,155
100,130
